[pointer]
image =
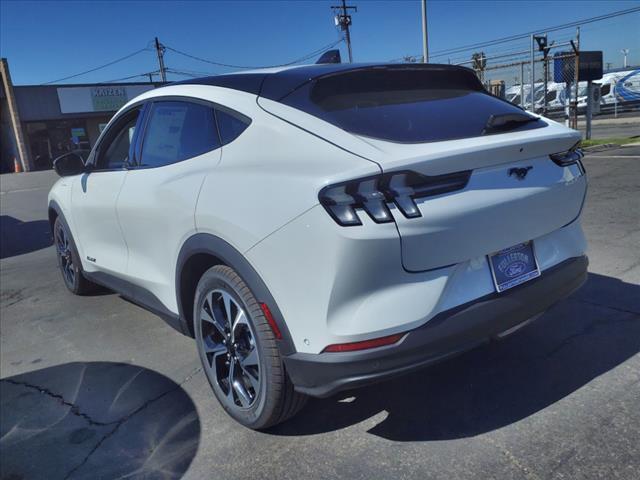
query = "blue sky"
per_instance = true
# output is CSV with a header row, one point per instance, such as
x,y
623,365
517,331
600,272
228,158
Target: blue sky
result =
x,y
47,40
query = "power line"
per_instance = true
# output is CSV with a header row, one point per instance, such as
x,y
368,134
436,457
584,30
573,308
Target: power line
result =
x,y
198,73
511,38
155,72
540,30
189,73
220,64
98,68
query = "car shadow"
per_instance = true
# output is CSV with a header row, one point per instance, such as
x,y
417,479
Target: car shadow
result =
x,y
18,238
90,419
500,383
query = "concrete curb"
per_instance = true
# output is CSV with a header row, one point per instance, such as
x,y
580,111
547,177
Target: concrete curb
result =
x,y
599,148
608,146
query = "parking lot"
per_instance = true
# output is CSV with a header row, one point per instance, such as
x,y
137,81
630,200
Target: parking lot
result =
x,y
96,387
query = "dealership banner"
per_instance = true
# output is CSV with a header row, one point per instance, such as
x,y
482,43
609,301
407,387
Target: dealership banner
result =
x,y
107,98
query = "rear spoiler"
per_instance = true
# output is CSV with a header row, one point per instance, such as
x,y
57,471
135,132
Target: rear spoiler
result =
x,y
277,86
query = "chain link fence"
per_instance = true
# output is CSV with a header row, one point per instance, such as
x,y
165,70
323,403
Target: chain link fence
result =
x,y
542,80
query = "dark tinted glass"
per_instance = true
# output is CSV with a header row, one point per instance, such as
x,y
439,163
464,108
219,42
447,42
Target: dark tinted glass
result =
x,y
404,105
605,89
177,131
115,152
231,126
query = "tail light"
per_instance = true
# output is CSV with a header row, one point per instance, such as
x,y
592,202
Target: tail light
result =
x,y
571,156
375,194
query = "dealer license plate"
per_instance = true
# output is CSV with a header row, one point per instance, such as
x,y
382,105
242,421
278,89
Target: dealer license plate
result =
x,y
513,266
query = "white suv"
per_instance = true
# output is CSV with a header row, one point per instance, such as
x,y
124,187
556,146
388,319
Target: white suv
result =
x,y
322,227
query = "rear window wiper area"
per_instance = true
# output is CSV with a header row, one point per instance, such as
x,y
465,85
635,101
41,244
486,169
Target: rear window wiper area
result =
x,y
505,122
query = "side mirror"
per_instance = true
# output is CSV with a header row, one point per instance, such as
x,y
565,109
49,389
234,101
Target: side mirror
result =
x,y
69,164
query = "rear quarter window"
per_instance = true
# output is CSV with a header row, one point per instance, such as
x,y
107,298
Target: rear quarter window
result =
x,y
231,125
404,105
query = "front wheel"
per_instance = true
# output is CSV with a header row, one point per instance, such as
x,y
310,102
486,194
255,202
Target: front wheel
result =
x,y
239,353
69,261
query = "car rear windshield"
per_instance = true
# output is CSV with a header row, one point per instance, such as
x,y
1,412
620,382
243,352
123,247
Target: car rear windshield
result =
x,y
408,105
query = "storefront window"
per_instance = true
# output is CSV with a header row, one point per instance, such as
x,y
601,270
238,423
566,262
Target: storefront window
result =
x,y
49,140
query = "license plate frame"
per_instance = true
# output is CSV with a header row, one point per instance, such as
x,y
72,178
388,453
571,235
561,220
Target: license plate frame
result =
x,y
513,266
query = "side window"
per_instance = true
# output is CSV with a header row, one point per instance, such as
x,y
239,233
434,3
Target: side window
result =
x,y
606,88
115,152
231,126
177,131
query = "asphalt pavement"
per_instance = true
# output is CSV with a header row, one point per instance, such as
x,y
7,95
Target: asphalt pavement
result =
x,y
607,126
95,387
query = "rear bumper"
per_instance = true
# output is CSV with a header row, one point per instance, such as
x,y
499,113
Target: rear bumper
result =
x,y
447,334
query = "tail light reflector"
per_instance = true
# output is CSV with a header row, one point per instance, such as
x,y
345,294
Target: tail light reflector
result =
x,y
271,321
364,345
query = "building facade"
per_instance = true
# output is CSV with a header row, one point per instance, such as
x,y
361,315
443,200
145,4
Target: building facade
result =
x,y
39,123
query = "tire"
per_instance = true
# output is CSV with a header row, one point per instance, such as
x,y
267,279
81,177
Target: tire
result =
x,y
69,261
244,369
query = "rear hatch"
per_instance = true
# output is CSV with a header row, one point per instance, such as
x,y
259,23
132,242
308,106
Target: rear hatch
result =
x,y
485,161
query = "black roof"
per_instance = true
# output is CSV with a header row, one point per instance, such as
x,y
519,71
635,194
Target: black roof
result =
x,y
277,85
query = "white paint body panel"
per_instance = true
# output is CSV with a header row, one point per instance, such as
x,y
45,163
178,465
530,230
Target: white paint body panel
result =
x,y
98,231
337,285
155,209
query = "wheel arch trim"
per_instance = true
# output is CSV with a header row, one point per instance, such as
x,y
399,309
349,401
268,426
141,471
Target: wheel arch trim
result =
x,y
205,243
54,208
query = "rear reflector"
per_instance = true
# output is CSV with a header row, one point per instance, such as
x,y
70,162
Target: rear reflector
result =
x,y
364,345
271,321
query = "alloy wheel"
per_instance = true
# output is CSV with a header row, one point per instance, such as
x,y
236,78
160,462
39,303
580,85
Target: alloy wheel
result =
x,y
63,248
229,348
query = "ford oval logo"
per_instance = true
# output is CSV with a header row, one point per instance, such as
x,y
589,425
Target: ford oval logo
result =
x,y
515,269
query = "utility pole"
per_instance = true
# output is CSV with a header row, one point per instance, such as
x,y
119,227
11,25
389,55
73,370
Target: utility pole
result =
x,y
522,84
576,73
14,116
533,73
625,52
343,19
425,38
160,51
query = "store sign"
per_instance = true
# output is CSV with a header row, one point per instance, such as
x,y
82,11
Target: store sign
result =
x,y
107,99
103,98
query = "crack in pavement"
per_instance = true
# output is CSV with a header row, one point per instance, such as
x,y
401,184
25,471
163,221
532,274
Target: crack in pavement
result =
x,y
124,419
528,473
74,409
590,328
